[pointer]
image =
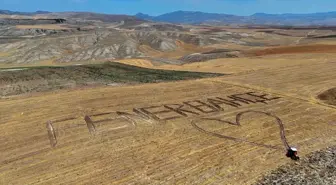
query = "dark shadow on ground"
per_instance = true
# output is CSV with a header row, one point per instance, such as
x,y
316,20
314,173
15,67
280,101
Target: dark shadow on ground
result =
x,y
328,96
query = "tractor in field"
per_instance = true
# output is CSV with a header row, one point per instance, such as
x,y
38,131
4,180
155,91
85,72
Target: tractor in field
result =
x,y
292,153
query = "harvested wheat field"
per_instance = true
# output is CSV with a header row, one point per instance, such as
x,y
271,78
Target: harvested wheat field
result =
x,y
224,130
317,48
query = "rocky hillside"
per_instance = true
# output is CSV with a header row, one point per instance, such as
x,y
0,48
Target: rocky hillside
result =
x,y
81,37
30,21
70,43
201,57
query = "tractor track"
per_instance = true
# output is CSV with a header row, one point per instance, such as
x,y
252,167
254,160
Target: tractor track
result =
x,y
237,123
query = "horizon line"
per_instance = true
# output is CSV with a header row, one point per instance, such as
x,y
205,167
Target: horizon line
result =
x,y
165,13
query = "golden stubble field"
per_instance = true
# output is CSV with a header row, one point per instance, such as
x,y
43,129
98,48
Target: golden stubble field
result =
x,y
171,133
45,26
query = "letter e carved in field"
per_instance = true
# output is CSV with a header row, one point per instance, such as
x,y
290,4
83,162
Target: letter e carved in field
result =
x,y
108,121
52,132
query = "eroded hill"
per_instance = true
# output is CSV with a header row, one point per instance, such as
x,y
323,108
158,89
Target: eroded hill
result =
x,y
83,37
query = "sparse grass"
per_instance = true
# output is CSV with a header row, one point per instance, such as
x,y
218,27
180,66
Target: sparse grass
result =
x,y
325,36
317,168
57,77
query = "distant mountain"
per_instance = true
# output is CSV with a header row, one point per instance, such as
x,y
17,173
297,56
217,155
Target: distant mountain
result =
x,y
8,12
87,16
196,17
144,16
42,12
201,17
188,17
97,17
327,18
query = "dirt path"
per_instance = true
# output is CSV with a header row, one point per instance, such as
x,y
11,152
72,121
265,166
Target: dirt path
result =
x,y
297,42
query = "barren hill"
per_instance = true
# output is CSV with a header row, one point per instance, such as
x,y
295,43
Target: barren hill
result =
x,y
147,116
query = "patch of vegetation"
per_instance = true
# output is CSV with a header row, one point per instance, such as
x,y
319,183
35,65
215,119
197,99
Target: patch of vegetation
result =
x,y
39,79
324,37
319,168
328,96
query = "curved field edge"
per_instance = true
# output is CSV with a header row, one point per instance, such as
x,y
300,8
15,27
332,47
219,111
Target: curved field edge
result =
x,y
328,96
16,81
310,48
318,168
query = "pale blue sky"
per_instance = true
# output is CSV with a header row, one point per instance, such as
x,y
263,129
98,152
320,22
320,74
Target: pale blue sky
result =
x,y
155,7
